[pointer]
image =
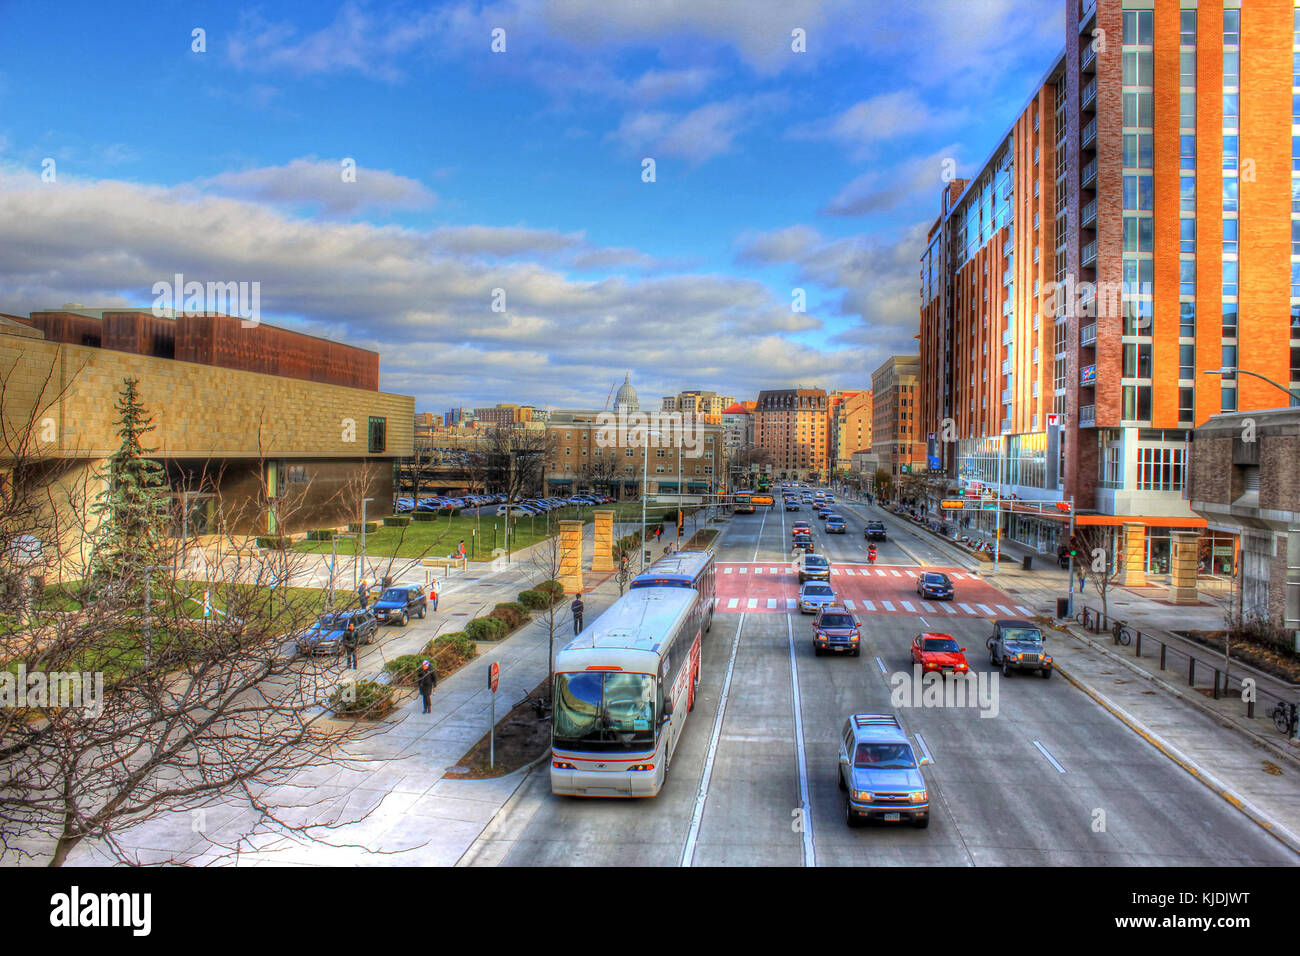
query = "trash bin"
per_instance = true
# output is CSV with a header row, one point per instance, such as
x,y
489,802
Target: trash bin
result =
x,y
1028,563
1062,608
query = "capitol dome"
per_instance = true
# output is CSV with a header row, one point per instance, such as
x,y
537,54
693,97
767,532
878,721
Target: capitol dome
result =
x,y
626,399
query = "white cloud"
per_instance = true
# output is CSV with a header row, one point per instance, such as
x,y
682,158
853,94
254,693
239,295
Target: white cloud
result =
x,y
868,125
883,188
321,183
697,135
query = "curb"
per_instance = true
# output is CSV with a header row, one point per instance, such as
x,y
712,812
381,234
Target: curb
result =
x,y
1279,751
1254,814
509,803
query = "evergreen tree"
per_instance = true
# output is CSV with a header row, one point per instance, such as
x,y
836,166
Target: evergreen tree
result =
x,y
133,507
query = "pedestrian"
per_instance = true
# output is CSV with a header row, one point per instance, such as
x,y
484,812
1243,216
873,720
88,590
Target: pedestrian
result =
x,y
427,680
460,549
577,608
363,593
350,644
433,594
1082,579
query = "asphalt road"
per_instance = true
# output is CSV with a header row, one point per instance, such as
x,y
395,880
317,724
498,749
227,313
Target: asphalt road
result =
x,y
1047,778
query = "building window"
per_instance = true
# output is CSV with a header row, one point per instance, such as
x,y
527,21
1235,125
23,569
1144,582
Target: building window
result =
x,y
1230,277
1231,27
1160,469
1187,319
1230,237
1187,235
1229,320
1187,362
378,435
1187,404
1137,403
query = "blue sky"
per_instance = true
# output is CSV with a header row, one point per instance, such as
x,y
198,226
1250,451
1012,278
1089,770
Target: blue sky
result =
x,y
518,170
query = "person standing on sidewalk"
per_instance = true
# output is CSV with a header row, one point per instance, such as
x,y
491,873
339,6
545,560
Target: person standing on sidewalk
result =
x,y
363,593
577,608
350,644
426,681
433,594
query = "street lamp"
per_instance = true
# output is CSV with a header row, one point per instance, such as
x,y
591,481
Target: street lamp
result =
x,y
1229,371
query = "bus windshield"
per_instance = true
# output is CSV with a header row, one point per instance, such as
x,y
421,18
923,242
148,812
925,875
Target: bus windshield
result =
x,y
606,712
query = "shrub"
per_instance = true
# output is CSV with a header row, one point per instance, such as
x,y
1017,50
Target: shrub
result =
x,y
364,699
397,521
485,628
424,516
535,600
403,668
273,543
449,651
513,614
518,608
553,588
371,527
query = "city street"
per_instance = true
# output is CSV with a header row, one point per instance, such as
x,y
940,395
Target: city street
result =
x,y
1052,779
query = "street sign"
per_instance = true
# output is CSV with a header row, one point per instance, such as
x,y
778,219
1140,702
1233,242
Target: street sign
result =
x,y
494,676
1053,419
989,506
952,504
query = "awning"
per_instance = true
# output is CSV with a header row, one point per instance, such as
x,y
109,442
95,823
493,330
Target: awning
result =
x,y
698,484
667,486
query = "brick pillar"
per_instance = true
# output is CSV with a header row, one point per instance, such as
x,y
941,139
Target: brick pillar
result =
x,y
602,558
571,556
1134,554
1182,564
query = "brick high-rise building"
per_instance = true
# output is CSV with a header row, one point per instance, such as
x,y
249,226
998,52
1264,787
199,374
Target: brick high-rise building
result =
x,y
708,406
850,427
1139,229
791,425
895,389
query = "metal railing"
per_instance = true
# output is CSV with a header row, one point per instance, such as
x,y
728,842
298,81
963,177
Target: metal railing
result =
x,y
1088,215
1123,634
1088,334
1088,177
1088,255
1087,416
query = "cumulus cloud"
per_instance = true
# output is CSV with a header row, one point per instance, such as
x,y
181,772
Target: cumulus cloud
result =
x,y
888,187
697,135
321,183
869,124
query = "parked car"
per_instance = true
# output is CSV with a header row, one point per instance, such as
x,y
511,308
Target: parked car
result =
x,y
933,584
401,602
835,629
1018,646
325,636
814,595
939,652
835,525
812,567
880,773
875,531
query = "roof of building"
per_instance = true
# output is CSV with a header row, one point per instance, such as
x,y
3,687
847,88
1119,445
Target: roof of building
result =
x,y
626,397
735,409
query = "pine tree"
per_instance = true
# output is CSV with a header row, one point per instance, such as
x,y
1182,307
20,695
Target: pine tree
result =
x,y
133,507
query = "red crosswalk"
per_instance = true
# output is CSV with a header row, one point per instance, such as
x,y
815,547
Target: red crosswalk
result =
x,y
877,589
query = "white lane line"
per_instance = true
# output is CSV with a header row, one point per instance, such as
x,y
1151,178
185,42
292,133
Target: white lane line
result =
x,y
924,622
967,608
881,665
771,602
985,608
688,850
761,524
809,849
870,605
907,606
925,751
1024,610
849,606
887,605
1050,759
732,602
752,603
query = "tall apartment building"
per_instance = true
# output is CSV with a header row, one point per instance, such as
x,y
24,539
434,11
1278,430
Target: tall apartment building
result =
x,y
504,414
850,427
895,388
791,424
1144,227
709,406
737,426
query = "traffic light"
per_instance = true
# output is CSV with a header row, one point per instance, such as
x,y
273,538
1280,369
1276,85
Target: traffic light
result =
x,y
681,522
1074,546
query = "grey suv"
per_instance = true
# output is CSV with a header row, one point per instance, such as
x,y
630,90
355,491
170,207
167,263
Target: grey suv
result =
x,y
1018,646
880,772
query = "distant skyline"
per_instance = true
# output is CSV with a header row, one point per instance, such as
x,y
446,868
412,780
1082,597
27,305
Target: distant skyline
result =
x,y
519,171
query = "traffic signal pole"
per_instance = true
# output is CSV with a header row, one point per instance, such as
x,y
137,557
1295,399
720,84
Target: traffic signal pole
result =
x,y
1070,604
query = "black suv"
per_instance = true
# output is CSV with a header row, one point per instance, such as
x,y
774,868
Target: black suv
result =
x,y
874,531
327,635
400,603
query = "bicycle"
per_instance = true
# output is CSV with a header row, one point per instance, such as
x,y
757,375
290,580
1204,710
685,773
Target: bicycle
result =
x,y
1122,634
541,706
1081,617
1284,718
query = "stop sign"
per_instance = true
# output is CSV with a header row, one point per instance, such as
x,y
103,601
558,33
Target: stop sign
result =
x,y
494,676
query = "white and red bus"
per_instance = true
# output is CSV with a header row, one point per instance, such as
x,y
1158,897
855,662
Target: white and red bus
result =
x,y
685,569
623,689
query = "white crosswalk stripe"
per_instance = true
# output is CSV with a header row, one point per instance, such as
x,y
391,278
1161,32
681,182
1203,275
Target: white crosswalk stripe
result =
x,y
929,608
752,603
742,570
791,603
1024,610
775,570
726,570
896,574
848,570
733,602
1004,609
986,609
849,605
967,608
948,608
758,570
907,606
880,572
888,606
870,605
771,602
911,574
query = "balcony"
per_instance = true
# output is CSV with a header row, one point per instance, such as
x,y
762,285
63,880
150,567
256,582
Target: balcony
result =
x,y
1087,416
1088,59
1088,255
1006,337
1007,277
1088,335
1006,426
1008,248
1088,95
1088,138
1006,396
1007,307
1088,176
1088,215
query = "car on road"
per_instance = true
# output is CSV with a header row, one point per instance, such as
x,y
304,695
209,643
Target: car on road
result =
x,y
823,512
835,629
940,653
830,499
880,773
812,567
875,531
814,595
401,602
933,584
792,505
800,527
835,525
803,542
325,636
1018,646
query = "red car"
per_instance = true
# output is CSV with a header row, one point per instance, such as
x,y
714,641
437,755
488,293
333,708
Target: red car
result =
x,y
800,526
939,652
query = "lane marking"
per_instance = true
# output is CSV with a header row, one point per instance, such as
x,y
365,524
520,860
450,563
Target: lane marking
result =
x,y
881,665
752,603
1050,758
849,606
742,570
870,605
791,603
1024,610
726,570
967,608
848,570
948,608
761,525
733,602
907,606
887,605
925,751
985,608
1004,609
809,848
880,572
896,574
925,622
771,602
688,850
758,570
929,609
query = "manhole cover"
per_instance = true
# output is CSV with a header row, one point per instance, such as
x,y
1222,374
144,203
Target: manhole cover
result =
x,y
460,613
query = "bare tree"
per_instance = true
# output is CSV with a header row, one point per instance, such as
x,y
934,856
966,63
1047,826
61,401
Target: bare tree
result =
x,y
146,707
1097,562
601,473
546,566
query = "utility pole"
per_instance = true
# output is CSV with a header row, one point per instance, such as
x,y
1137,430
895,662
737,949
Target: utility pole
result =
x,y
364,502
997,533
1070,569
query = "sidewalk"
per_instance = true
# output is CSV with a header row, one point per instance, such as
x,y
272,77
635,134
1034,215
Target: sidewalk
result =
x,y
408,813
